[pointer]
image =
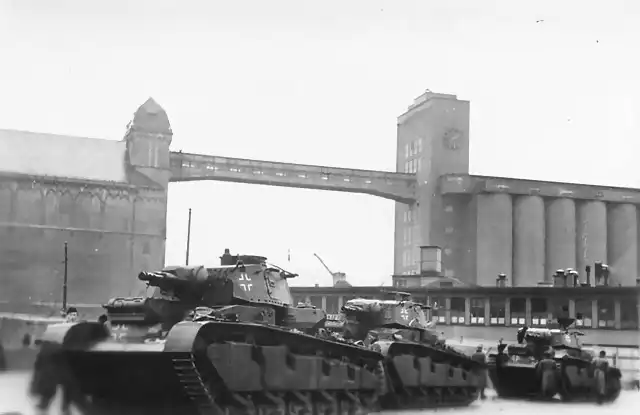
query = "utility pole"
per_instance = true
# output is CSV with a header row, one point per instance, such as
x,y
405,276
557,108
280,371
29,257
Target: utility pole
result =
x,y
188,237
64,281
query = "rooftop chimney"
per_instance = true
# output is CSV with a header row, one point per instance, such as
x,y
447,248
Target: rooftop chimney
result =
x,y
431,261
559,278
605,274
597,272
338,276
587,269
501,281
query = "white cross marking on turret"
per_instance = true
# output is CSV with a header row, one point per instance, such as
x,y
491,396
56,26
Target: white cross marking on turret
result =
x,y
404,313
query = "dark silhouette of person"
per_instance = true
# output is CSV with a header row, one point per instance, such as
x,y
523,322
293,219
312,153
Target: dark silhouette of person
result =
x,y
546,371
72,315
480,370
26,340
601,366
51,370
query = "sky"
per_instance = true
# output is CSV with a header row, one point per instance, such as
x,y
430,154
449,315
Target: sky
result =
x,y
553,89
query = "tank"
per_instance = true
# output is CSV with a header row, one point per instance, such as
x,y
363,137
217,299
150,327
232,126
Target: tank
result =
x,y
217,340
513,368
421,370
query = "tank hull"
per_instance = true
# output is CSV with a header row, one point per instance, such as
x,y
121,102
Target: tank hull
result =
x,y
219,367
425,376
515,381
574,381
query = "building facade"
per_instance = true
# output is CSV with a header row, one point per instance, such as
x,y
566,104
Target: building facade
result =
x,y
106,199
491,225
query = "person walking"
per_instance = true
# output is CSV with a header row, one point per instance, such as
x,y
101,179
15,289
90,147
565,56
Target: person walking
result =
x,y
547,373
480,370
601,366
52,371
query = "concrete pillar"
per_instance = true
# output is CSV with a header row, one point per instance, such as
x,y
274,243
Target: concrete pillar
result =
x,y
528,241
594,314
494,237
623,244
591,234
638,245
561,237
617,314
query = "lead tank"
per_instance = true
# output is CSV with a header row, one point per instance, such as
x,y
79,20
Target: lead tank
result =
x,y
421,370
513,368
215,341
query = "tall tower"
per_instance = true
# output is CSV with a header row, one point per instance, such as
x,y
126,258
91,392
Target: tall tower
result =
x,y
148,139
149,168
433,140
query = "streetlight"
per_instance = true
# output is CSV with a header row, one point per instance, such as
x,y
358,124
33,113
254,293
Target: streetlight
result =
x,y
188,237
64,281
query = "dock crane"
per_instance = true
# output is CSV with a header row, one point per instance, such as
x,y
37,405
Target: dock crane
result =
x,y
336,276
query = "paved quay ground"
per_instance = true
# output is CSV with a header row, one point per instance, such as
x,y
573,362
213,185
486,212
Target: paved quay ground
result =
x,y
13,398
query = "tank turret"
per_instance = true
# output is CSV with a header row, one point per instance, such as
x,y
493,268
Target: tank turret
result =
x,y
243,287
417,360
515,368
215,339
399,317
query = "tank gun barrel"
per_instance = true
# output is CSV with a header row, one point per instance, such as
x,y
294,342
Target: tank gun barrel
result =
x,y
172,277
163,280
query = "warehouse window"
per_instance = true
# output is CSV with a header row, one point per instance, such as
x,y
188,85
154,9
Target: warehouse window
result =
x,y
518,311
497,311
458,310
477,311
583,313
539,312
628,313
606,313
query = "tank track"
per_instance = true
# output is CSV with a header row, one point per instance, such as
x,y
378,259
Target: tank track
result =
x,y
577,381
219,368
294,402
422,376
574,376
254,369
193,384
228,368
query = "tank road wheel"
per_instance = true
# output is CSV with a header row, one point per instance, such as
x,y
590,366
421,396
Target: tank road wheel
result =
x,y
613,389
274,405
351,404
326,404
300,404
242,404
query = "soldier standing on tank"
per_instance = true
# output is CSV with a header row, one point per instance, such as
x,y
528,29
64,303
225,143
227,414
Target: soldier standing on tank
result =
x,y
480,370
601,366
71,315
546,369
